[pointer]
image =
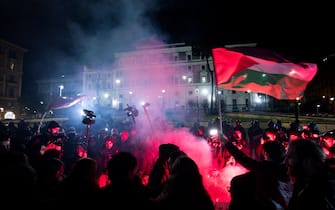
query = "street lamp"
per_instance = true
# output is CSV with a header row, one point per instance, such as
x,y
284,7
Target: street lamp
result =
x,y
197,94
117,92
297,111
130,97
163,98
317,109
61,87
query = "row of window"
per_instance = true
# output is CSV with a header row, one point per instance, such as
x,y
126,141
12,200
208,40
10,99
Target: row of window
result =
x,y
11,53
158,58
11,65
9,79
9,93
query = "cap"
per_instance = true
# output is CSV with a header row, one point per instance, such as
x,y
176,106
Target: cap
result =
x,y
53,124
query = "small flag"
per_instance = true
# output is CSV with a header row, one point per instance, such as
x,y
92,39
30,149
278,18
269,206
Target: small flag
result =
x,y
261,71
65,102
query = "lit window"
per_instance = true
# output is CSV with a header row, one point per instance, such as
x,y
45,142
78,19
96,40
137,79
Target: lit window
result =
x,y
12,66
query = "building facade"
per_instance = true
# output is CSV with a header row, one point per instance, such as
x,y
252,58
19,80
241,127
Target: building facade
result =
x,y
170,76
64,86
11,71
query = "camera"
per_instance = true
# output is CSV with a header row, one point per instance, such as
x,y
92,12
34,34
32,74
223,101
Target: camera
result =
x,y
131,111
89,117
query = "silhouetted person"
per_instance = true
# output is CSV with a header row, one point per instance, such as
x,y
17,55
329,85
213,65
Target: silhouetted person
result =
x,y
255,133
307,170
70,149
260,187
184,188
18,181
50,176
105,154
159,172
80,186
124,191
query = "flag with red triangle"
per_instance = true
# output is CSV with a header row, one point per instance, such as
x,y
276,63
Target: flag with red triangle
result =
x,y
261,71
65,102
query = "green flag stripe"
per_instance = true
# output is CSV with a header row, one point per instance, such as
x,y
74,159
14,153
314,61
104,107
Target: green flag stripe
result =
x,y
251,76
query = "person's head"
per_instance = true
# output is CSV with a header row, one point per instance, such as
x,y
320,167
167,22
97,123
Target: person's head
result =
x,y
81,151
238,136
328,139
268,135
4,141
122,166
173,157
92,142
109,142
274,150
71,132
271,124
53,127
305,134
4,132
114,131
255,123
186,168
164,150
85,169
294,135
238,123
53,167
52,153
278,124
305,159
124,136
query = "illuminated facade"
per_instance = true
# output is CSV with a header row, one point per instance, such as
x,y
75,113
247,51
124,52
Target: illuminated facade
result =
x,y
11,70
171,76
65,85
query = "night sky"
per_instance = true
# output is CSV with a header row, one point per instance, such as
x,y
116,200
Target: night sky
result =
x,y
63,35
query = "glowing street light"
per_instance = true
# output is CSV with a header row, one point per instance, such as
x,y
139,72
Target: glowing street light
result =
x,y
61,87
197,94
318,108
130,96
297,111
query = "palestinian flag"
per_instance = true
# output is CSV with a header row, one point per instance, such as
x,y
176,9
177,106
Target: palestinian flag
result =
x,y
261,71
64,102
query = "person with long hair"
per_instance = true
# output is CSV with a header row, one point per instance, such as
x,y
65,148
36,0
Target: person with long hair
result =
x,y
184,188
307,170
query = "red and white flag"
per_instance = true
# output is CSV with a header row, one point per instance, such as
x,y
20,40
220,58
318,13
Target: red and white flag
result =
x,y
65,102
261,71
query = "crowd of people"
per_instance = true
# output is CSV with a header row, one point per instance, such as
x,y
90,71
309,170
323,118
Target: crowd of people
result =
x,y
287,168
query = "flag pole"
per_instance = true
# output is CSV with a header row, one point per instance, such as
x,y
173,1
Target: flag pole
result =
x,y
220,115
88,126
214,81
297,110
41,121
145,106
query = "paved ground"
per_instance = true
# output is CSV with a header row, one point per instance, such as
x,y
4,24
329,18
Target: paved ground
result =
x,y
325,123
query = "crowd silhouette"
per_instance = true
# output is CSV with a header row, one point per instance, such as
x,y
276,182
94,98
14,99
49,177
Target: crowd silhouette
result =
x,y
286,168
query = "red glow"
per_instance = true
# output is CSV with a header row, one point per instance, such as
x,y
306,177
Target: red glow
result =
x,y
216,180
103,180
124,135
